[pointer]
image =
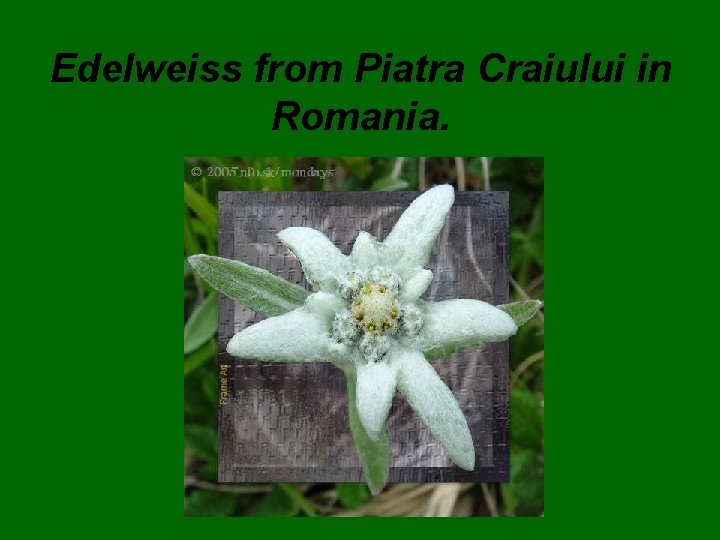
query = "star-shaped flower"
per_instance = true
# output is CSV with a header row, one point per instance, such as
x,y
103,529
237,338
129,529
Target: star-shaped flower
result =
x,y
367,316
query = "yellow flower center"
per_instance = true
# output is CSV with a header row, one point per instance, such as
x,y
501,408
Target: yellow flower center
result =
x,y
376,308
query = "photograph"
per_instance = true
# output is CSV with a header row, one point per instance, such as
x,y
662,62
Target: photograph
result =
x,y
364,336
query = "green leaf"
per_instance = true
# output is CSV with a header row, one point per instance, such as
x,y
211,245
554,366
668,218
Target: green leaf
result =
x,y
522,312
192,244
202,323
440,352
210,388
198,408
198,357
202,207
524,495
526,420
277,503
202,441
352,495
536,233
374,455
258,289
297,497
208,471
209,503
358,166
389,184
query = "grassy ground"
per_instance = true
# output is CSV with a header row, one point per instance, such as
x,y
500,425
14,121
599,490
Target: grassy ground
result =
x,y
523,496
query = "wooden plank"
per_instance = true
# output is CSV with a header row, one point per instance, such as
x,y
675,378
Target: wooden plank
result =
x,y
288,422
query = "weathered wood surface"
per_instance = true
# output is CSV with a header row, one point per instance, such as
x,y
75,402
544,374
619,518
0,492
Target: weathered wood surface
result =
x,y
288,422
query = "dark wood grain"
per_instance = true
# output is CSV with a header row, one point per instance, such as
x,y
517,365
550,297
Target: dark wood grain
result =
x,y
288,422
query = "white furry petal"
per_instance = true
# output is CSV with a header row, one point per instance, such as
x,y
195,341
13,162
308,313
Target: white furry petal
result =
x,y
462,323
416,285
436,406
322,262
297,336
324,306
375,390
411,240
365,252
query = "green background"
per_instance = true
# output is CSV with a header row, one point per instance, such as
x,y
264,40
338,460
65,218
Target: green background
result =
x,y
92,229
523,179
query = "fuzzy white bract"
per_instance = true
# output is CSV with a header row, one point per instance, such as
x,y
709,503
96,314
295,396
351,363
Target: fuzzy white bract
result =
x,y
367,314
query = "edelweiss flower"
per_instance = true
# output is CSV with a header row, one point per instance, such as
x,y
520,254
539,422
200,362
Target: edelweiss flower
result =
x,y
366,315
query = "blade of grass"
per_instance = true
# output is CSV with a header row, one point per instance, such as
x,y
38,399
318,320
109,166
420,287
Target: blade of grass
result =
x,y
192,244
202,207
294,493
198,357
202,324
